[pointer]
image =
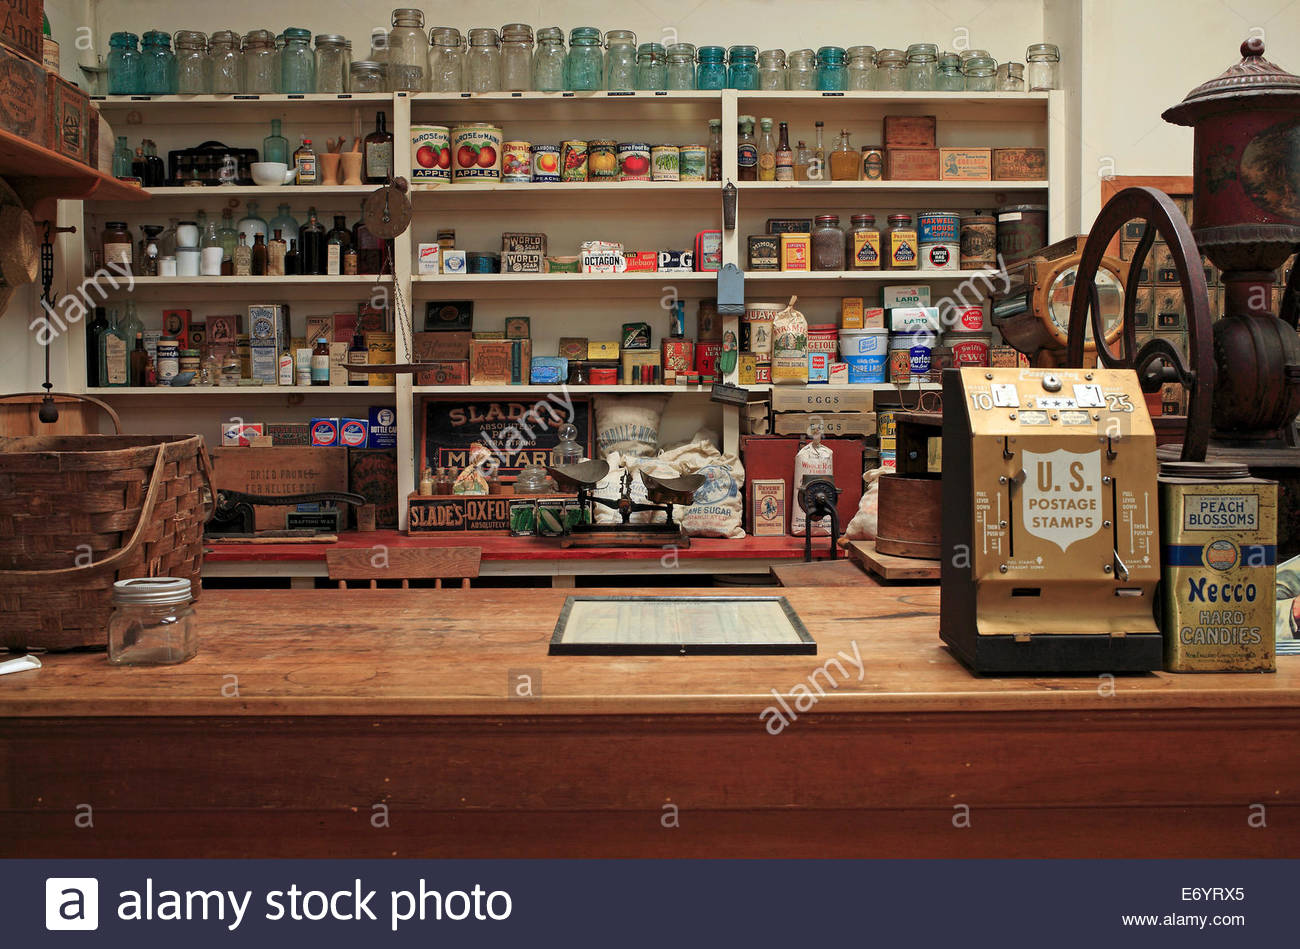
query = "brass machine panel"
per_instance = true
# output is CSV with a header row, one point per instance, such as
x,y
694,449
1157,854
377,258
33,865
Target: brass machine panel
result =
x,y
1051,524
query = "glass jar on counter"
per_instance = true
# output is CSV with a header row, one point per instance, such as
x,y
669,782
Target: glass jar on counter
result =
x,y
981,74
124,64
548,61
949,77
259,63
584,67
832,76
891,70
827,243
224,54
408,51
712,72
152,623
446,60
651,67
366,76
862,67
742,67
862,243
922,67
771,70
483,62
681,66
193,68
297,64
516,57
1044,70
620,60
801,70
332,63
157,65
1011,77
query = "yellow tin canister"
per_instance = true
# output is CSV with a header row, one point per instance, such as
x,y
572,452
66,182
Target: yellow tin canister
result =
x,y
1218,534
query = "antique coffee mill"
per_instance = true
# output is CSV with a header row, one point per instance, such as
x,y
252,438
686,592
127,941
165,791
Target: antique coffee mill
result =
x,y
1242,373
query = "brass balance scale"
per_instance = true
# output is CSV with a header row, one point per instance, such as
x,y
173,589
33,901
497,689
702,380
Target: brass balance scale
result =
x,y
661,493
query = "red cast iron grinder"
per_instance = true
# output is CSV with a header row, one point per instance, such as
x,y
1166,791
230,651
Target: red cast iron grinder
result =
x,y
1242,373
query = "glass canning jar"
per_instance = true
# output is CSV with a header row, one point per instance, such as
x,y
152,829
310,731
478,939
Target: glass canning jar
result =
x,y
1011,77
224,53
259,63
585,65
801,70
483,62
681,66
548,61
446,60
712,71
949,77
408,51
1044,71
516,57
827,243
620,60
831,74
771,70
862,67
157,65
193,67
981,74
331,63
365,75
742,67
297,64
124,64
651,67
922,67
969,54
152,623
891,70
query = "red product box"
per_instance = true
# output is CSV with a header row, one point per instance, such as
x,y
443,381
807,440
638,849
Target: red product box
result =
x,y
768,457
642,261
176,323
678,355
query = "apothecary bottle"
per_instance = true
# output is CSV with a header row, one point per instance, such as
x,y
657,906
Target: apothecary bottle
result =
x,y
483,63
620,60
446,60
651,67
861,67
261,75
949,77
681,66
365,75
1011,77
275,147
297,64
801,70
516,57
891,70
157,65
827,243
251,225
548,61
832,76
771,70
981,74
408,51
712,71
584,67
742,67
922,67
332,62
224,54
1044,67
193,68
122,156
124,64
152,623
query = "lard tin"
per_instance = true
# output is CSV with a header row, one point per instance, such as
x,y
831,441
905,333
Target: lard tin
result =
x,y
633,161
476,152
430,153
573,161
665,162
546,162
693,163
516,162
602,160
1218,536
970,349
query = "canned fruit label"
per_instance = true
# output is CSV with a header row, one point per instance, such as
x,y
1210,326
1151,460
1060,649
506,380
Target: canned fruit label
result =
x,y
430,153
516,161
602,161
573,161
633,162
476,153
546,163
866,249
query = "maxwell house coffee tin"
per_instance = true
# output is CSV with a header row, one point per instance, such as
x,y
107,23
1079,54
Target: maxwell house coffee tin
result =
x,y
1218,535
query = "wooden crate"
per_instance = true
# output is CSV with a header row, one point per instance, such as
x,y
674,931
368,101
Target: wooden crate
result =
x,y
22,96
280,471
21,23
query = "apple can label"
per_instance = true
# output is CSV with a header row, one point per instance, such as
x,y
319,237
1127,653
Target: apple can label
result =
x,y
430,153
476,153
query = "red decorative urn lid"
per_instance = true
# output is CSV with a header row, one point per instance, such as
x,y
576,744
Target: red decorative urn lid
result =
x,y
1253,76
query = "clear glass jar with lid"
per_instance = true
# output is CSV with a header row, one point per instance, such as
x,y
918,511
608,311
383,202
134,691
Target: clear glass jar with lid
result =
x,y
981,74
584,67
742,67
331,63
152,623
297,63
862,243
1011,77
651,67
891,70
446,60
922,66
827,243
223,50
124,64
548,61
408,51
968,54
1044,70
378,46
620,60
157,65
862,67
949,77
712,71
771,70
681,66
483,62
259,63
193,67
801,70
365,75
516,57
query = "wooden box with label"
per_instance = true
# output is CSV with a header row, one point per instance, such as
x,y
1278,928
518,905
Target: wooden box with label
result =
x,y
909,131
912,164
1019,164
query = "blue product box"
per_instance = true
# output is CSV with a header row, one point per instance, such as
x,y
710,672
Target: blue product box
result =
x,y
354,432
383,427
548,370
324,432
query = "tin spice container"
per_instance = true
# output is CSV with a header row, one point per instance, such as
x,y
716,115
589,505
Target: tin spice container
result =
x,y
430,153
979,242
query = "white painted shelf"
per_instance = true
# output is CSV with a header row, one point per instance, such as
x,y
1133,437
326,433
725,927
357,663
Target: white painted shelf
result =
x,y
260,191
754,188
864,276
239,392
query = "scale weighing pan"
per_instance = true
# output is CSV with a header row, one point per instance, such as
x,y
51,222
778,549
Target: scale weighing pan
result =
x,y
672,490
585,474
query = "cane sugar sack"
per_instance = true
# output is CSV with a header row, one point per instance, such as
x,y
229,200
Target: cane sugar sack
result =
x,y
628,424
718,505
813,458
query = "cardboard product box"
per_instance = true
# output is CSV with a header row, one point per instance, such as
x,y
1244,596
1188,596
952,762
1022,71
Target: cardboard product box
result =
x,y
23,105
914,319
517,327
514,242
767,513
522,262
676,261
833,423
383,427
479,513
488,334
641,261
771,458
500,362
839,374
441,347
288,434
223,330
325,432
67,119
912,164
796,252
452,372
176,324
442,316
240,434
905,295
852,313
383,348
318,326
339,375
822,399
373,319
264,364
909,131
454,262
819,368
756,418
428,259
965,164
1019,164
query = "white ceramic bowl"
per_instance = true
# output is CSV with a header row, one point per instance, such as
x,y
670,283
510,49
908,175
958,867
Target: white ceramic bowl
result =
x,y
268,173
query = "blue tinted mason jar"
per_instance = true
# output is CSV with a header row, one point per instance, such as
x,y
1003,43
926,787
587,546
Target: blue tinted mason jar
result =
x,y
712,73
742,67
651,67
832,75
681,66
297,62
124,65
585,65
620,60
157,65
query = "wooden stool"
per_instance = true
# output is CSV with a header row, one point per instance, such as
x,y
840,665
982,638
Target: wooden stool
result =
x,y
403,563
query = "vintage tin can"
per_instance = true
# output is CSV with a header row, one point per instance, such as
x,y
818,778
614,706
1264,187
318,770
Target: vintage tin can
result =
x,y
633,161
516,162
746,369
873,163
1218,536
1022,229
430,153
706,357
693,163
979,242
573,161
546,162
970,349
476,152
665,163
602,160
763,374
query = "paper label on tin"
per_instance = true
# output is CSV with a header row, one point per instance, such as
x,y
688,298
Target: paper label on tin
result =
x,y
1061,495
1009,216
1212,512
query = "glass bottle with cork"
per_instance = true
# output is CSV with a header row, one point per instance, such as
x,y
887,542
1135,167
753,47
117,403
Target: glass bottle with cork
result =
x,y
766,151
258,255
94,333
276,249
311,245
139,361
784,169
242,259
818,173
844,160
377,153
747,151
114,347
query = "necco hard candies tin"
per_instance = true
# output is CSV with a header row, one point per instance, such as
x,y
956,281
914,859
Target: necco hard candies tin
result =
x,y
633,161
516,162
602,160
664,163
692,163
573,161
546,162
476,152
430,153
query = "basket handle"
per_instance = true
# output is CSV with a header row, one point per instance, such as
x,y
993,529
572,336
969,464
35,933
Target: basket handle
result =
x,y
205,465
146,513
117,422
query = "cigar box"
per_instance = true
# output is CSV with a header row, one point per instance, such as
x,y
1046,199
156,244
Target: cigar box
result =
x,y
1019,164
573,348
383,348
965,164
909,131
911,164
441,347
449,372
23,107
789,225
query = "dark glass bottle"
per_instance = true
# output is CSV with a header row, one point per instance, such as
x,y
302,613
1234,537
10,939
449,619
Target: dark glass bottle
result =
x,y
155,168
341,230
140,166
311,245
139,361
358,355
259,256
370,250
377,152
94,329
292,260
